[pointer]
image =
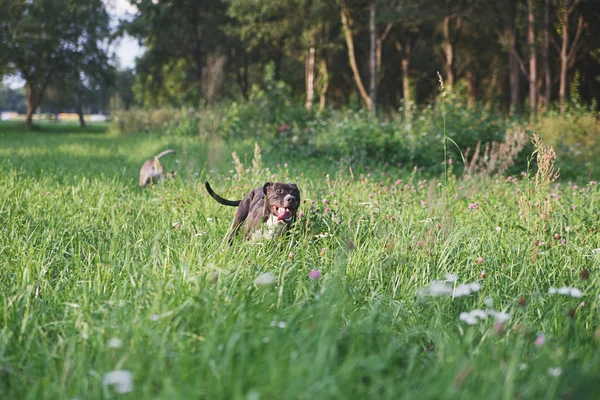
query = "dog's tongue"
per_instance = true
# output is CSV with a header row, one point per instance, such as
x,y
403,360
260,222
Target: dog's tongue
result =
x,y
282,213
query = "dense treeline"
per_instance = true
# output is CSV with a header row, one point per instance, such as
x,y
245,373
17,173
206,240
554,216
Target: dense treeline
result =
x,y
517,54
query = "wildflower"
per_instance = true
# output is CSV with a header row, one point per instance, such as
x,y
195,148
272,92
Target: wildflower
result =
x,y
438,288
264,279
291,256
114,343
582,304
556,236
327,210
479,261
498,327
499,316
498,229
488,301
423,203
466,289
573,292
540,340
472,317
523,366
483,274
325,201
120,380
557,371
281,324
314,274
154,317
567,228
323,251
300,214
473,206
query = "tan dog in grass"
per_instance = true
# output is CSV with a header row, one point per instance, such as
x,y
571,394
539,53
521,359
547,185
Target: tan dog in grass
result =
x,y
152,171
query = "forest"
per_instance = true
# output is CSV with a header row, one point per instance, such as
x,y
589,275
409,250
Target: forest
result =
x,y
513,56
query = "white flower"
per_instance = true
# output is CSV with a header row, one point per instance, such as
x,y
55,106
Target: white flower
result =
x,y
557,371
264,279
437,288
121,380
114,343
452,278
499,316
489,302
466,289
441,288
568,291
282,324
498,229
523,366
154,317
474,316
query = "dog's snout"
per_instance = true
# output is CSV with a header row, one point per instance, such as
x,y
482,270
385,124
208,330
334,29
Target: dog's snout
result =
x,y
289,199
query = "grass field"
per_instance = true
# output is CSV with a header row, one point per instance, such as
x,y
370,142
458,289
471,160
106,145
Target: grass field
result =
x,y
111,291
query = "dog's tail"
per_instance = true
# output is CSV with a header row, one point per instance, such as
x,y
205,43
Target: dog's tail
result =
x,y
164,153
219,199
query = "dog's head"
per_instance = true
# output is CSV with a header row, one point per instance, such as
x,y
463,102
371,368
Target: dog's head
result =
x,y
282,200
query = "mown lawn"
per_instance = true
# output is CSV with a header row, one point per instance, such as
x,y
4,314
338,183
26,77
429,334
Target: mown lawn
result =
x,y
98,275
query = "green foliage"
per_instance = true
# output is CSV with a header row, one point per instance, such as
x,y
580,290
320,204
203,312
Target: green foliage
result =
x,y
99,275
288,129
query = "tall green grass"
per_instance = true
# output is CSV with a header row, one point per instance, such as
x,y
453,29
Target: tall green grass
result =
x,y
87,257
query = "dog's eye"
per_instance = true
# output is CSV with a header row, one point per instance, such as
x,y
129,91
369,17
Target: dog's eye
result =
x,y
280,191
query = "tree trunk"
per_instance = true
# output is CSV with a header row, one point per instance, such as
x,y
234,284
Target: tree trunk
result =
x,y
32,105
325,85
351,55
372,58
80,109
532,61
405,64
310,75
562,91
546,56
448,54
470,78
514,70
380,46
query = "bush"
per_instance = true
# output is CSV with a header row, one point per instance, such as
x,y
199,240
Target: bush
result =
x,y
280,124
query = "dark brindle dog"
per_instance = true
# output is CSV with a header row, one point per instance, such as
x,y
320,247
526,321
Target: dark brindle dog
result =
x,y
265,212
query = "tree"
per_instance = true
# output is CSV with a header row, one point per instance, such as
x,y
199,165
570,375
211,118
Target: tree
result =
x,y
347,24
46,41
567,53
372,58
179,36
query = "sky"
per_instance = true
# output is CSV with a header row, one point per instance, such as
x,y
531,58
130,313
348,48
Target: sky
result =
x,y
126,49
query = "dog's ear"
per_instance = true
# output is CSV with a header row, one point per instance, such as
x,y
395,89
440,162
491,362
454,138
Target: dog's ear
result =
x,y
266,187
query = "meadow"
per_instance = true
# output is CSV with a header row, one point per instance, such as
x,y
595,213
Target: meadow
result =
x,y
394,283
